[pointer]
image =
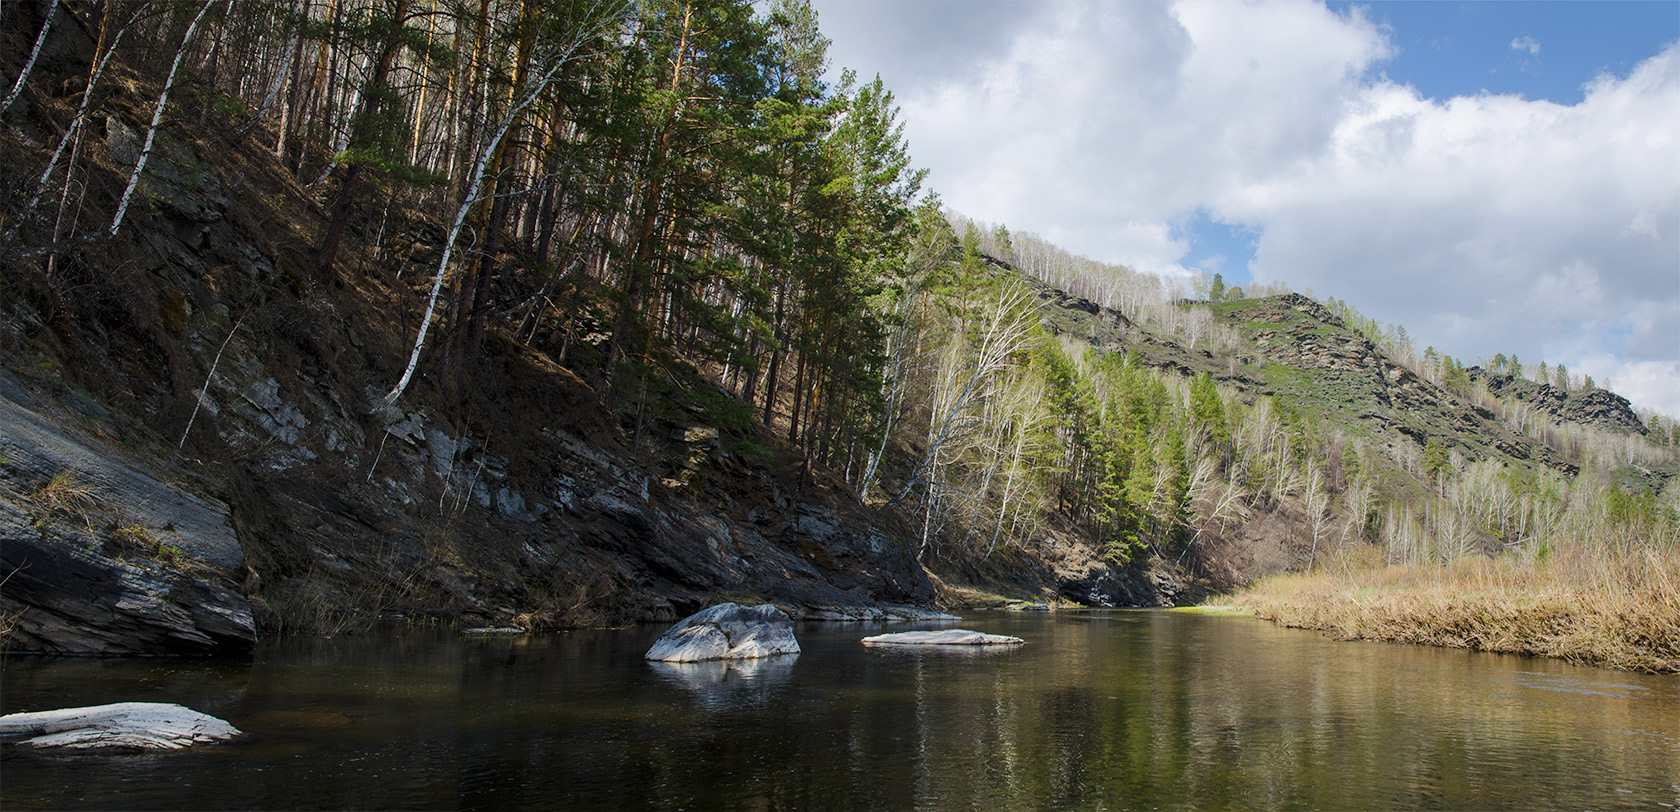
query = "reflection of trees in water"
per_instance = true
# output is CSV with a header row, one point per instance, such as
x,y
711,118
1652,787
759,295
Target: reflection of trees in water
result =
x,y
721,684
1129,710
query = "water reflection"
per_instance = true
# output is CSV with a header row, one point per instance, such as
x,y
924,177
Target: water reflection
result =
x,y
1097,711
729,683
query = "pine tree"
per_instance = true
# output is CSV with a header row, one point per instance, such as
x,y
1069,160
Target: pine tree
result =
x,y
1005,249
1208,411
373,129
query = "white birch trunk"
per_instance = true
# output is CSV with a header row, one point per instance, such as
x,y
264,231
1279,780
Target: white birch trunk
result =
x,y
73,132
157,118
280,75
23,75
471,198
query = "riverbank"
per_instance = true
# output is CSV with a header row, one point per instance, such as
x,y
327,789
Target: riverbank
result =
x,y
1615,612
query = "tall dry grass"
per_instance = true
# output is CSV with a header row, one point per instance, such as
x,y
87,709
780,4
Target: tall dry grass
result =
x,y
1615,610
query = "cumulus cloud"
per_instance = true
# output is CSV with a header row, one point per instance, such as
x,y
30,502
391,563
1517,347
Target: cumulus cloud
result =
x,y
1526,43
1483,223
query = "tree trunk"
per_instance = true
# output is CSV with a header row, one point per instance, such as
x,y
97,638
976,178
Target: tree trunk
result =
x,y
472,336
627,340
373,98
780,336
34,53
157,119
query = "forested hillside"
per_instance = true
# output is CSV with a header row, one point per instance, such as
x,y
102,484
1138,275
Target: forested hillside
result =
x,y
562,313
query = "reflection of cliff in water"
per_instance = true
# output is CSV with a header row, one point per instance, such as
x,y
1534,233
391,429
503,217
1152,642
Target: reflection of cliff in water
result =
x,y
729,683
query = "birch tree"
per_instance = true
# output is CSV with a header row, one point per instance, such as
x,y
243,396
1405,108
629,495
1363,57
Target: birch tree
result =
x,y
1002,333
554,56
157,119
34,53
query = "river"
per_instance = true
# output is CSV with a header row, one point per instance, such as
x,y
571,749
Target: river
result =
x,y
1099,710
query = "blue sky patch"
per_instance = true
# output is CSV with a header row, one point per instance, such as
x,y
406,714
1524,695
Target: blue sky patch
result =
x,y
1539,50
1218,247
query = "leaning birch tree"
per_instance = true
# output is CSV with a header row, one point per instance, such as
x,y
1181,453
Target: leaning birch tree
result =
x,y
600,17
34,53
157,119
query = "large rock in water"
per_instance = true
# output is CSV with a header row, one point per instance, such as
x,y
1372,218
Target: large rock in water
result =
x,y
727,631
942,637
142,725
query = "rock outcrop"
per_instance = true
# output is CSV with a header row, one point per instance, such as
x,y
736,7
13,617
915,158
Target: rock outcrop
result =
x,y
100,554
728,631
1599,408
128,725
942,637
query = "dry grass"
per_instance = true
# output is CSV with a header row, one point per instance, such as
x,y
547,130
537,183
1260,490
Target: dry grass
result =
x,y
1615,611
65,495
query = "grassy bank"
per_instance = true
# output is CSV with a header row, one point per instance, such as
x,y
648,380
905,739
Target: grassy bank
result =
x,y
1595,609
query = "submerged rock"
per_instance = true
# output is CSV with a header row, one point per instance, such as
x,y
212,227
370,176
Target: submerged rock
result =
x,y
942,637
727,631
142,725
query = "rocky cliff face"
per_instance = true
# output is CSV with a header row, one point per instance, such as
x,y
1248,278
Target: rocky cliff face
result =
x,y
1599,408
326,530
225,466
100,552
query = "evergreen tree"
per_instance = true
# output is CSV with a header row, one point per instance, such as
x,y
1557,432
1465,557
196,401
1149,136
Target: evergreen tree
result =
x,y
1436,460
1005,249
1207,410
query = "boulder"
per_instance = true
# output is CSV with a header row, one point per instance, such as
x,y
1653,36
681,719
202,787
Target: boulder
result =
x,y
942,637
139,725
727,631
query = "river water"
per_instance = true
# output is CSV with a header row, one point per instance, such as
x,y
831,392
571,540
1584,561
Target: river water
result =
x,y
1099,710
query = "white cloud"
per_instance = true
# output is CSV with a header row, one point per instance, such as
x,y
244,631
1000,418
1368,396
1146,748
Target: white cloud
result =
x,y
1496,224
1484,224
1526,43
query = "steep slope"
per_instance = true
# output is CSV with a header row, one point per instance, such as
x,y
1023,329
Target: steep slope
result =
x,y
199,361
195,354
1320,365
1295,350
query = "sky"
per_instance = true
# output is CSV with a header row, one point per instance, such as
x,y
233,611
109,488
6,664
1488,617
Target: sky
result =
x,y
1498,177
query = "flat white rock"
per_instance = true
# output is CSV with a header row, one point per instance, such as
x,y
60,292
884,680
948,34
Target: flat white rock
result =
x,y
143,725
942,637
